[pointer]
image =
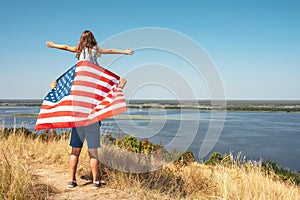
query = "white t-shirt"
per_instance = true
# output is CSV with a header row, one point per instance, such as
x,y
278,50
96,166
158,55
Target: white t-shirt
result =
x,y
86,56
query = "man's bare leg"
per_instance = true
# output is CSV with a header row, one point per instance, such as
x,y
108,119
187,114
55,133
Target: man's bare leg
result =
x,y
73,162
94,162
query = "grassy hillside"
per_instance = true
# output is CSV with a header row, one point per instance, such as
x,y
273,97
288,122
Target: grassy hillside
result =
x,y
21,152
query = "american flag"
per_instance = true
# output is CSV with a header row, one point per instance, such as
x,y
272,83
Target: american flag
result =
x,y
85,94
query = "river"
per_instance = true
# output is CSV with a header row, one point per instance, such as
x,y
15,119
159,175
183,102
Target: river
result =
x,y
258,135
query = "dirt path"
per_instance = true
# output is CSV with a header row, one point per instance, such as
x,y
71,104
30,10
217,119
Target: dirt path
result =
x,y
56,179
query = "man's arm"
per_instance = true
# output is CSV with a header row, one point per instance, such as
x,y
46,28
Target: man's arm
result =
x,y
61,46
116,51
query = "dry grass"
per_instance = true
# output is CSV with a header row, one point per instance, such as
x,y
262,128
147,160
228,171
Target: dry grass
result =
x,y
251,183
19,154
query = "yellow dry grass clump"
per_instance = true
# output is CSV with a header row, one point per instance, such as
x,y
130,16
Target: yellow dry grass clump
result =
x,y
20,154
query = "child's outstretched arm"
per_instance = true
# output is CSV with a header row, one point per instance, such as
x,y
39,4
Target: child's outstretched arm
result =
x,y
116,51
61,46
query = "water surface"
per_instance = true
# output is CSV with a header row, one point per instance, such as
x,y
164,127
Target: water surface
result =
x,y
259,135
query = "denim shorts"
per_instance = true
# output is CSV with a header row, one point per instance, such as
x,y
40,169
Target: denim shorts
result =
x,y
91,133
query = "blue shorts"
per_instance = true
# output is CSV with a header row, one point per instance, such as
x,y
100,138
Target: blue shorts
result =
x,y
91,133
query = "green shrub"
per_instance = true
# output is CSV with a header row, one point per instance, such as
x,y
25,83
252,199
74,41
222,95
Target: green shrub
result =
x,y
185,158
284,174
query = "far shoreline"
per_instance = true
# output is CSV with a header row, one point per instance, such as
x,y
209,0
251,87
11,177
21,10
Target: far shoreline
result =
x,y
201,105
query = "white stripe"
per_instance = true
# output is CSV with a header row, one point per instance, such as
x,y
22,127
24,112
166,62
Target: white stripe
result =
x,y
59,119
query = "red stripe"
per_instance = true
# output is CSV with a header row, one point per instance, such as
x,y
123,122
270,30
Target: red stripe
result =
x,y
55,125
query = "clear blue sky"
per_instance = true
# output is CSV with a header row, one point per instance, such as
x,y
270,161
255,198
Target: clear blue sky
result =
x,y
255,44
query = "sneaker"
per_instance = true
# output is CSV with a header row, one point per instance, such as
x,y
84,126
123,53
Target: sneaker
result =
x,y
102,182
72,184
96,184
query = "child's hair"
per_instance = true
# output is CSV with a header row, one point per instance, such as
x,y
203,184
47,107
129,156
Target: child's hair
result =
x,y
88,40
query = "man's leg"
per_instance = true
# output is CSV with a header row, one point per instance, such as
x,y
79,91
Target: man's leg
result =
x,y
93,140
73,162
94,162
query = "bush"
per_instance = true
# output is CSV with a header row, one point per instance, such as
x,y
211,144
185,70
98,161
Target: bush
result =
x,y
185,159
284,174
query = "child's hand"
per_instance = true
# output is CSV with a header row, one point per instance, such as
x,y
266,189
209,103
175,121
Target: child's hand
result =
x,y
50,43
129,51
53,84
